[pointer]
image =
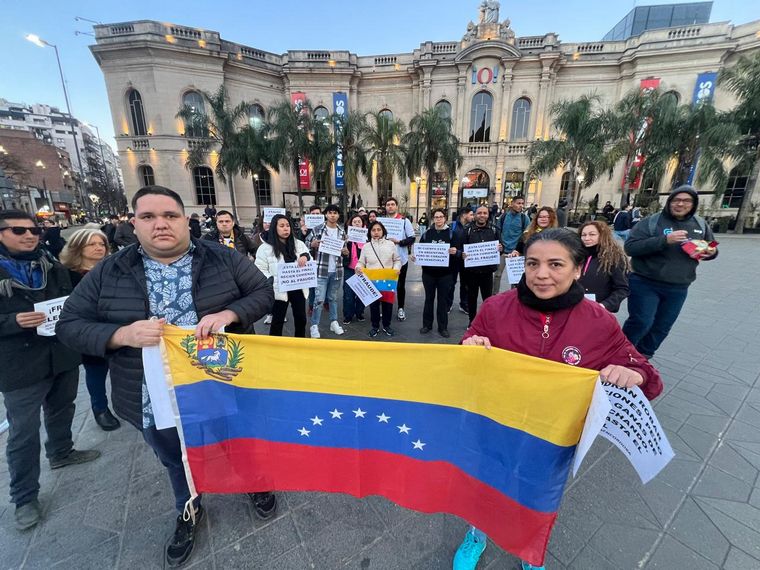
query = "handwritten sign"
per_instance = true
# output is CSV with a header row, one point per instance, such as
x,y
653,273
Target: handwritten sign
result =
x,y
357,235
515,269
364,289
291,277
480,254
52,310
431,254
394,227
270,213
313,220
330,245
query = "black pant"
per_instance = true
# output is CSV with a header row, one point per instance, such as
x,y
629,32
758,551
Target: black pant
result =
x,y
458,272
401,290
166,446
56,396
374,314
298,306
482,282
440,286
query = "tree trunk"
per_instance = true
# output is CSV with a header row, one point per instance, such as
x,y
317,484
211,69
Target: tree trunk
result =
x,y
231,188
747,200
256,197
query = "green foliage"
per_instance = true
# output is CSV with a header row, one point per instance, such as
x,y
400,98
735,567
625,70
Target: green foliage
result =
x,y
382,139
236,353
189,345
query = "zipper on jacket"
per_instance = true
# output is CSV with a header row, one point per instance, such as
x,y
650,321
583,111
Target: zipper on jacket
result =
x,y
545,321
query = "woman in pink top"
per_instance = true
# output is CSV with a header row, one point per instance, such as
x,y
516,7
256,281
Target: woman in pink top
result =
x,y
352,306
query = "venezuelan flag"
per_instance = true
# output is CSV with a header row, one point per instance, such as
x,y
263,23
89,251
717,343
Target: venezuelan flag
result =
x,y
386,281
485,435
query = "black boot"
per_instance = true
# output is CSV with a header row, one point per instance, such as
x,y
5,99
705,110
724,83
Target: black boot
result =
x,y
264,505
106,420
181,544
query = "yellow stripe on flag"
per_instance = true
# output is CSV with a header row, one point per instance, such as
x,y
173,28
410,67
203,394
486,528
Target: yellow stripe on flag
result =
x,y
381,274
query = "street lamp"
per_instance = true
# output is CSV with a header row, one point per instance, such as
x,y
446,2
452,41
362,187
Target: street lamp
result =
x,y
418,181
48,198
256,189
38,41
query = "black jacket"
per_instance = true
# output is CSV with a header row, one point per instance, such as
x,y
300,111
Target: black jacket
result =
x,y
124,234
53,241
243,243
609,288
195,228
446,235
653,257
475,234
114,294
27,357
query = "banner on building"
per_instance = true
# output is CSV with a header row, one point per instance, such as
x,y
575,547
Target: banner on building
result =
x,y
636,162
704,90
340,108
298,100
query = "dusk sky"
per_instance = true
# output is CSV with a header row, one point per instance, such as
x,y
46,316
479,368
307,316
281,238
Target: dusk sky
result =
x,y
28,74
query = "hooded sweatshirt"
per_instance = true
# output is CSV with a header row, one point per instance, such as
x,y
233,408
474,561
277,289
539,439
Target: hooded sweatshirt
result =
x,y
652,257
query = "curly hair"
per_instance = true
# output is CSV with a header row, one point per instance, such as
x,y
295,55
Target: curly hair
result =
x,y
533,226
610,254
71,254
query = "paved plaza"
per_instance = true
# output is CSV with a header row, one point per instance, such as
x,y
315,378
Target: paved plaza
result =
x,y
702,512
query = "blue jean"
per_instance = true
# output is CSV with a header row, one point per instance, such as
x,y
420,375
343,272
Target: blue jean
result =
x,y
327,289
95,372
352,306
622,235
166,446
653,307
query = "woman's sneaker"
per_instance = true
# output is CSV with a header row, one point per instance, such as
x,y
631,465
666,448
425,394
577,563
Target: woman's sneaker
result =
x,y
268,320
373,332
526,566
468,553
388,331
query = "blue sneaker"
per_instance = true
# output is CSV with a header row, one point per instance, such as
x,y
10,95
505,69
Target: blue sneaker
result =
x,y
468,553
526,566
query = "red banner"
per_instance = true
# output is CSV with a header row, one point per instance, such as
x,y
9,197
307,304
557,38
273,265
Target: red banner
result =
x,y
637,162
304,183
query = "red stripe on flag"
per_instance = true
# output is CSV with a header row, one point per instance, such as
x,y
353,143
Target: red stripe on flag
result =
x,y
254,465
388,296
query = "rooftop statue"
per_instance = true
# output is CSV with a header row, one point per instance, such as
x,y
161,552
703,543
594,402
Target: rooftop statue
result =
x,y
489,12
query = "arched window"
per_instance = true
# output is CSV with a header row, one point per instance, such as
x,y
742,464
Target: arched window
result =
x,y
145,175
322,115
256,115
203,178
444,109
388,114
194,100
263,186
480,117
520,120
564,186
735,188
674,96
137,113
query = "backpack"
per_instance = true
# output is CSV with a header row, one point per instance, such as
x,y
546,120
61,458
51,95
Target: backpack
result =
x,y
654,218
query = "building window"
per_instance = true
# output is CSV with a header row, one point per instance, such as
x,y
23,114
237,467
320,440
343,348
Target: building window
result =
x,y
264,188
735,188
564,187
480,117
520,120
145,174
203,178
137,113
322,115
194,129
444,109
256,116
388,114
673,95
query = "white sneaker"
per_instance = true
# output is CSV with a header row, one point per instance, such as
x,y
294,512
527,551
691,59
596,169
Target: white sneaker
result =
x,y
314,331
401,315
268,320
336,328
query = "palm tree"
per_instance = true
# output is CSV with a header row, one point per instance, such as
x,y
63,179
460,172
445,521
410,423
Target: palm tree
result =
x,y
322,155
349,133
254,153
430,143
218,126
743,80
382,138
580,145
291,130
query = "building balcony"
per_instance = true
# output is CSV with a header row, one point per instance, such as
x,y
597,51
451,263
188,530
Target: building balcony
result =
x,y
514,149
141,144
479,149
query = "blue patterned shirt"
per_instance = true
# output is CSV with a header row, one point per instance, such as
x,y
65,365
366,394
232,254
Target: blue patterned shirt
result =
x,y
170,297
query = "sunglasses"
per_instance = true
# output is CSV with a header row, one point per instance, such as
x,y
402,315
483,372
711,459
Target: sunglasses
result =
x,y
21,230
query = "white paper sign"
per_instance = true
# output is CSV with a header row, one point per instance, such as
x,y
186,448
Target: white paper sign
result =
x,y
515,269
313,220
595,418
331,245
364,288
590,297
290,277
270,213
394,227
632,426
52,310
483,253
357,235
431,254
158,388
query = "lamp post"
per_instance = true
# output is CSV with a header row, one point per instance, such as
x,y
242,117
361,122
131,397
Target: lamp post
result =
x,y
36,40
109,201
418,181
256,189
48,199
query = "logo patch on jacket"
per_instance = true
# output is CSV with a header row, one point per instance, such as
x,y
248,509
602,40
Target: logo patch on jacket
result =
x,y
571,355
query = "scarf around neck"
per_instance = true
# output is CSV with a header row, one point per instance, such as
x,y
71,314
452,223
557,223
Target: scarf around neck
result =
x,y
570,298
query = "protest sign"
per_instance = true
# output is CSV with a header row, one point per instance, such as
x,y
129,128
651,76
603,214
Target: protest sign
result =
x,y
291,277
394,227
483,253
515,269
590,297
364,288
431,254
270,213
357,235
313,220
331,245
52,310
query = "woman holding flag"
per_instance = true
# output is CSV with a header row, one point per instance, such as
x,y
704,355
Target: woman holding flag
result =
x,y
380,255
547,316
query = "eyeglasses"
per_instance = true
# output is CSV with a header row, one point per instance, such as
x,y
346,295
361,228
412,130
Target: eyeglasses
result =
x,y
682,201
21,230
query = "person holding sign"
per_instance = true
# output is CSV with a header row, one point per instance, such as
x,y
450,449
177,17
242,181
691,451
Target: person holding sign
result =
x,y
479,279
282,247
605,271
437,280
329,270
38,371
380,253
402,246
548,317
352,306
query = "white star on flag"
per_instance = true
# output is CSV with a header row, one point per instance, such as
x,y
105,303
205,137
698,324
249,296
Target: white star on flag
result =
x,y
304,431
383,418
316,420
359,413
403,428
336,414
418,444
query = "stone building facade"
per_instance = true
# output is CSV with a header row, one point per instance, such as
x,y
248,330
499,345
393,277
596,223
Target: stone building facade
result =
x,y
498,88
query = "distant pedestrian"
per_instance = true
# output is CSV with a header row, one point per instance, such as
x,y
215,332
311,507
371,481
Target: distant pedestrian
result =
x,y
459,227
195,226
229,234
562,214
605,271
544,219
510,228
125,232
52,239
622,223
423,223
